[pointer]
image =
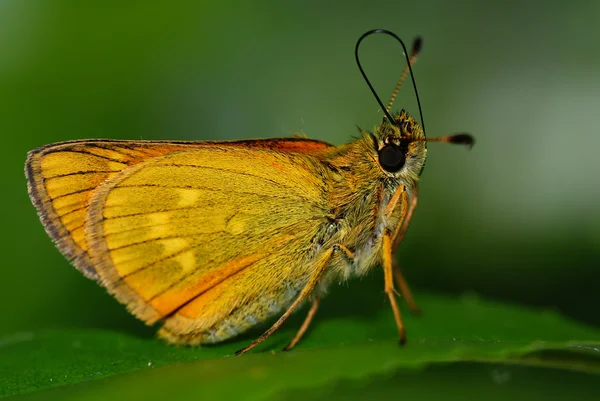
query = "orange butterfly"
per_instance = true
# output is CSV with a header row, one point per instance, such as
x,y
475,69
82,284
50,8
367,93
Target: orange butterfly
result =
x,y
213,238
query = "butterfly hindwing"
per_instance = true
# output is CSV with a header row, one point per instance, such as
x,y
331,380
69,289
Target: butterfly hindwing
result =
x,y
197,237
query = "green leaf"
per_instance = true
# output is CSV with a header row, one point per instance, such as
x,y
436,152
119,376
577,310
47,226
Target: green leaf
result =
x,y
459,381
341,345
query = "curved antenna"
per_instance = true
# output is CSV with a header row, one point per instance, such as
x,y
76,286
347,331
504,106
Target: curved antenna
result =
x,y
414,55
406,55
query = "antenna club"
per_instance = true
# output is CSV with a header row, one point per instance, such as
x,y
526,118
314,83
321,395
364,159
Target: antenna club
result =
x,y
417,46
463,139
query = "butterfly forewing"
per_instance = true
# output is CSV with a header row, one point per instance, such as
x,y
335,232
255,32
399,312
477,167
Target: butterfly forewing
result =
x,y
63,176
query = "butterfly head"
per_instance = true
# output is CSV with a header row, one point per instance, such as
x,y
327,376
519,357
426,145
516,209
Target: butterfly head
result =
x,y
400,147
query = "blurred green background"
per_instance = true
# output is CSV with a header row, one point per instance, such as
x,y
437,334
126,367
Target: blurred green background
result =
x,y
515,219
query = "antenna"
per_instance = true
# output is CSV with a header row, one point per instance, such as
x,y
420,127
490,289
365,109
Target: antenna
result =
x,y
416,46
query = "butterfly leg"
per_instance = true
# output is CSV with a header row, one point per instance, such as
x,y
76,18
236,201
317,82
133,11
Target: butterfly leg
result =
x,y
309,317
389,284
405,290
397,237
400,231
305,292
315,305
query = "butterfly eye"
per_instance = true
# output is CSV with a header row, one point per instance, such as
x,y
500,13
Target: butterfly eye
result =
x,y
392,157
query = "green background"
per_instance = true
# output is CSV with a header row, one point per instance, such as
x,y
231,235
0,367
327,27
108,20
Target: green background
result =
x,y
516,219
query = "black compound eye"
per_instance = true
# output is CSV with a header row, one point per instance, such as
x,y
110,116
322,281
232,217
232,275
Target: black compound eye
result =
x,y
392,157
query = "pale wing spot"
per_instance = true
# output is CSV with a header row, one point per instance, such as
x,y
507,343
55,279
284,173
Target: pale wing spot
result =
x,y
187,260
174,245
237,224
159,225
188,197
146,250
131,223
159,218
139,256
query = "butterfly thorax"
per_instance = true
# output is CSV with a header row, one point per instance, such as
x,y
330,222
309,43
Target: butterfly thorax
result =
x,y
362,188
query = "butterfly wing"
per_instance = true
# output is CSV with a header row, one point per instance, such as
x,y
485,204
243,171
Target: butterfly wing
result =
x,y
62,178
211,240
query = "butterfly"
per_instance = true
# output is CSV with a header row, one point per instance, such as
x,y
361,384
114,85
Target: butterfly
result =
x,y
211,238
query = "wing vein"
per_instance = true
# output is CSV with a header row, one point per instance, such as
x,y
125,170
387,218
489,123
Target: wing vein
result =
x,y
230,171
86,153
146,241
79,191
175,254
228,190
81,173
